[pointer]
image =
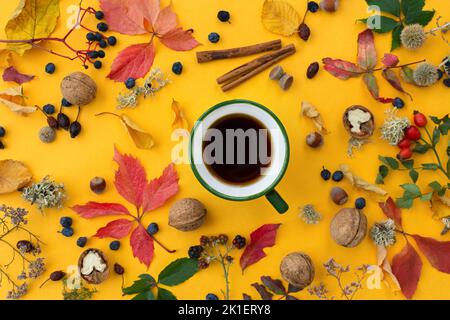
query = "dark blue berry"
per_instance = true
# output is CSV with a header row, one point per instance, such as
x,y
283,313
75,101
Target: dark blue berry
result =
x,y
152,228
360,203
101,54
102,44
338,176
98,64
177,68
50,68
313,6
447,82
98,36
398,103
2,132
112,40
195,252
2,146
81,242
65,222
49,109
211,296
67,232
90,36
114,245
93,54
325,174
65,103
214,37
223,16
130,83
99,15
103,27
440,74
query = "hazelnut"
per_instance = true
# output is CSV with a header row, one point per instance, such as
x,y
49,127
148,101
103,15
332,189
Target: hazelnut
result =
x,y
187,214
93,266
339,195
97,185
348,227
329,5
359,128
78,88
314,139
297,269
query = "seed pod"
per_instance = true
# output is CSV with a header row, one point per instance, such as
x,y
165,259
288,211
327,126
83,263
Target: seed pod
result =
x,y
314,139
118,269
276,73
63,121
312,70
297,269
304,32
74,129
348,227
286,81
24,246
338,195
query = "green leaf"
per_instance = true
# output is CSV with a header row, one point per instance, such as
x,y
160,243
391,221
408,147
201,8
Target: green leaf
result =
x,y
386,24
412,190
436,136
421,148
436,186
164,294
436,120
178,271
444,129
146,295
411,6
408,164
414,175
430,166
422,17
391,162
441,192
426,197
389,6
404,203
145,283
407,74
396,41
383,172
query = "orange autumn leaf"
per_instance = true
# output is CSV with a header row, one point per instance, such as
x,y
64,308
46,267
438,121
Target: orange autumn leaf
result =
x,y
180,121
14,99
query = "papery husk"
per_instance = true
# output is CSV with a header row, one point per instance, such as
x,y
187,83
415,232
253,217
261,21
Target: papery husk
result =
x,y
311,112
361,183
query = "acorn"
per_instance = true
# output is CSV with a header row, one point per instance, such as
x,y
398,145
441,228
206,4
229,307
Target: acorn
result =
x,y
297,269
339,195
362,129
348,227
93,266
329,5
187,214
78,88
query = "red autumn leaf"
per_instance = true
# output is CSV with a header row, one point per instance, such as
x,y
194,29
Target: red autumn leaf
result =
x,y
392,211
166,21
11,74
407,266
96,209
437,252
179,40
116,229
159,190
341,69
261,238
371,83
134,61
142,244
390,60
126,16
367,54
130,179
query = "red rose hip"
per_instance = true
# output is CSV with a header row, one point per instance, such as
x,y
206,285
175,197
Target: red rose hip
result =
x,y
420,119
405,143
413,133
404,154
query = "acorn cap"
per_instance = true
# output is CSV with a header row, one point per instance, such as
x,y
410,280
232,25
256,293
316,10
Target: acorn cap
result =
x,y
187,214
93,266
297,269
348,227
367,128
78,88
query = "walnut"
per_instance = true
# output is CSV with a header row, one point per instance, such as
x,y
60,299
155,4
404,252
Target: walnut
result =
x,y
359,122
187,214
297,269
93,266
348,227
78,88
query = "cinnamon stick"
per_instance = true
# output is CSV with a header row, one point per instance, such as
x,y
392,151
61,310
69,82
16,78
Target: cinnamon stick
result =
x,y
205,56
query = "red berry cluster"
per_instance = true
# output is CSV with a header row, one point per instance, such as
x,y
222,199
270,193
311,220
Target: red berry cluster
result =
x,y
412,134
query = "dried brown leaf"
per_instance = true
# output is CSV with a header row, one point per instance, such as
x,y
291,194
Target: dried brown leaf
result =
x,y
361,183
14,175
180,121
311,112
13,98
142,139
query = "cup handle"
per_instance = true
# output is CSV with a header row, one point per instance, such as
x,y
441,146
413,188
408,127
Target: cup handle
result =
x,y
277,201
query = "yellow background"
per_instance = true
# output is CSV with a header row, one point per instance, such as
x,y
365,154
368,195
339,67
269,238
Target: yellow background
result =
x,y
76,161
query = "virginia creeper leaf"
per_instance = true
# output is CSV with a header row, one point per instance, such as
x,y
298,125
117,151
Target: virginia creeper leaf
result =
x,y
178,271
394,81
116,229
179,40
265,295
126,16
407,266
422,17
410,6
367,54
274,285
437,252
391,211
341,69
11,74
166,21
96,209
142,245
371,83
132,62
389,6
261,238
159,190
396,41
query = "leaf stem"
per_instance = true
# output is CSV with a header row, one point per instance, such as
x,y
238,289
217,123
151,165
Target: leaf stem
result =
x,y
438,158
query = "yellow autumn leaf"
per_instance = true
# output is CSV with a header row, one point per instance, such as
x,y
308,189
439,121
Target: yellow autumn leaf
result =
x,y
14,175
13,98
5,59
280,17
440,207
180,121
32,19
142,139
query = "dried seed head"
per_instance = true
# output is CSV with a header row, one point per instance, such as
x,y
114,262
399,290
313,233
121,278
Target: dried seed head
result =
x,y
425,74
413,36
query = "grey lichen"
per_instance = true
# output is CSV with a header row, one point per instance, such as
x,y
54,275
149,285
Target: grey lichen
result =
x,y
309,214
45,194
383,233
393,128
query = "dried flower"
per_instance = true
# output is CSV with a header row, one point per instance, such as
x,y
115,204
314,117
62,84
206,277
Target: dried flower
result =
x,y
320,291
446,222
46,194
383,233
22,276
17,292
36,268
393,128
425,74
152,84
309,214
413,36
16,215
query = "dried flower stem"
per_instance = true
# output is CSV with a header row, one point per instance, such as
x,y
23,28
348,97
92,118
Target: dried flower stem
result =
x,y
226,271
